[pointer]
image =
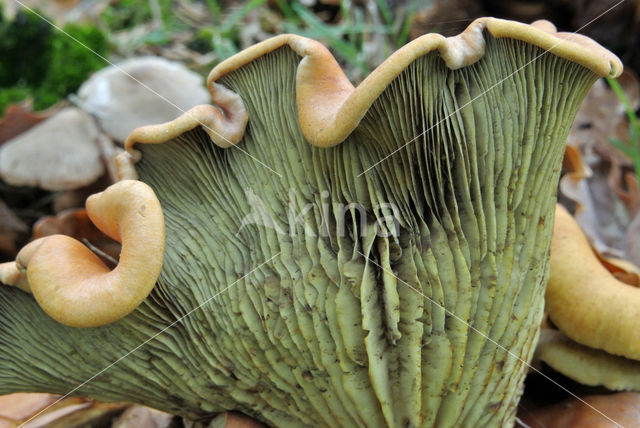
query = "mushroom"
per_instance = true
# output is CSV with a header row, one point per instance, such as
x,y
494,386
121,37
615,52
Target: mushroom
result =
x,y
585,365
72,285
584,300
370,256
60,153
140,91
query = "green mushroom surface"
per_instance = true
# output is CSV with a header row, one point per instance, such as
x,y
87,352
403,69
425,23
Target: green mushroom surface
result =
x,y
338,256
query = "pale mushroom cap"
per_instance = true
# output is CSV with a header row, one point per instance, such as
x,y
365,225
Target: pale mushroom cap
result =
x,y
60,153
141,91
73,285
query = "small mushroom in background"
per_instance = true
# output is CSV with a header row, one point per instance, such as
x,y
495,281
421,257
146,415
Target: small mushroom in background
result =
x,y
141,91
60,153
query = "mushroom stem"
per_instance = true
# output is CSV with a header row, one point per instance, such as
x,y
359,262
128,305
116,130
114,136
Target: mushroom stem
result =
x,y
73,285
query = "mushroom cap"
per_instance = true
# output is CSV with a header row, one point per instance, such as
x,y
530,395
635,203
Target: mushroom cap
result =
x,y
60,153
588,366
72,284
141,91
330,108
584,300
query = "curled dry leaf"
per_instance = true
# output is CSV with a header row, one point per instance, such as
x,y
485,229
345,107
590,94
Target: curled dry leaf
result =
x,y
79,415
596,411
21,406
600,213
622,270
598,180
143,417
18,118
48,411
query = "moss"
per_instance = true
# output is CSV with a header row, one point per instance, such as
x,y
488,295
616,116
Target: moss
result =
x,y
126,14
26,33
61,78
56,64
203,42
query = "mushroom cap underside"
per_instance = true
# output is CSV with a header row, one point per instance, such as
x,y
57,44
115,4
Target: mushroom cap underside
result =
x,y
330,107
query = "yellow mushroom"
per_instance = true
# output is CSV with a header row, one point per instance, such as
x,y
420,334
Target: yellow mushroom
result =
x,y
584,300
72,284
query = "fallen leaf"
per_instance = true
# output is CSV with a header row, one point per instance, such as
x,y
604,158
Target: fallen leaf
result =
x,y
143,417
18,118
21,406
596,411
77,415
11,227
76,223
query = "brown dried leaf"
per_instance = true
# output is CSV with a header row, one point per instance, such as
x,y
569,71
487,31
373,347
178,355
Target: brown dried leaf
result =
x,y
77,415
11,227
21,406
598,180
143,417
600,213
20,117
234,420
76,223
623,270
596,411
445,17
632,241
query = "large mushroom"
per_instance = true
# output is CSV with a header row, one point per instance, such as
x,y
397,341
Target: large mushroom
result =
x,y
338,256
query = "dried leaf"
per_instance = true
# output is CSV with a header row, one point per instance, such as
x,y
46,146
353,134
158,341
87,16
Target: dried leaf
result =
x,y
77,415
234,420
596,411
143,417
76,223
20,117
21,406
11,227
632,241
